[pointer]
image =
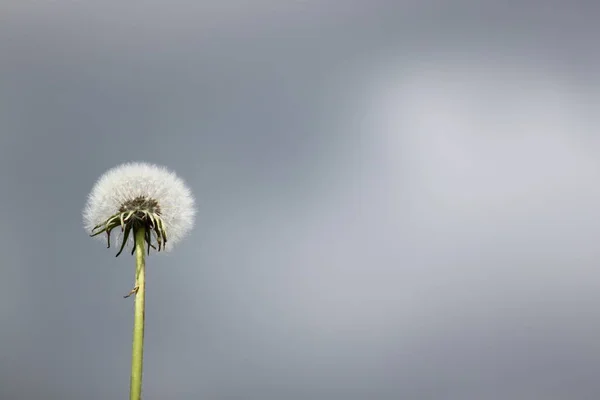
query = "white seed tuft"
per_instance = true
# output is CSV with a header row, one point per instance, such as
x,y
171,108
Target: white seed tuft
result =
x,y
138,179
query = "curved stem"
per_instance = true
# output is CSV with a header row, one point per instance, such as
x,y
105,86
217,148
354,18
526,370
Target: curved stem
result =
x,y
137,355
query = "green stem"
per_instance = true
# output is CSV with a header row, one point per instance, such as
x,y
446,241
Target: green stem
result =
x,y
137,355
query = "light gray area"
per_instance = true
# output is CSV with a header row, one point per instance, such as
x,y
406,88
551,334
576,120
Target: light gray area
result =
x,y
397,200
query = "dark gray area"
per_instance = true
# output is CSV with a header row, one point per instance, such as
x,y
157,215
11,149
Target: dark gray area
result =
x,y
396,200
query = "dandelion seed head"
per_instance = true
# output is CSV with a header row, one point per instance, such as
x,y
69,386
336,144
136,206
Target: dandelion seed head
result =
x,y
141,186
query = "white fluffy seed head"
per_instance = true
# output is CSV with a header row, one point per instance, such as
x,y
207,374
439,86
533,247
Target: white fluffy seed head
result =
x,y
137,179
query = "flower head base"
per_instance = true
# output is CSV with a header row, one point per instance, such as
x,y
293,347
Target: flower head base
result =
x,y
134,216
140,196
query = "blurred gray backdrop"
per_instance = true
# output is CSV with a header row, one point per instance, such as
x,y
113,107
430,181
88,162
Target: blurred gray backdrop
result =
x,y
397,200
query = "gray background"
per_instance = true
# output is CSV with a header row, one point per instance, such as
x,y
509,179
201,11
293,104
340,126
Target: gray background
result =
x,y
397,200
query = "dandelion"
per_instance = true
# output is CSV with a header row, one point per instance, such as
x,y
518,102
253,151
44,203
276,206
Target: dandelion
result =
x,y
150,208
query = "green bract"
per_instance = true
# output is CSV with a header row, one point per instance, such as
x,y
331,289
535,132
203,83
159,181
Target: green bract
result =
x,y
132,220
